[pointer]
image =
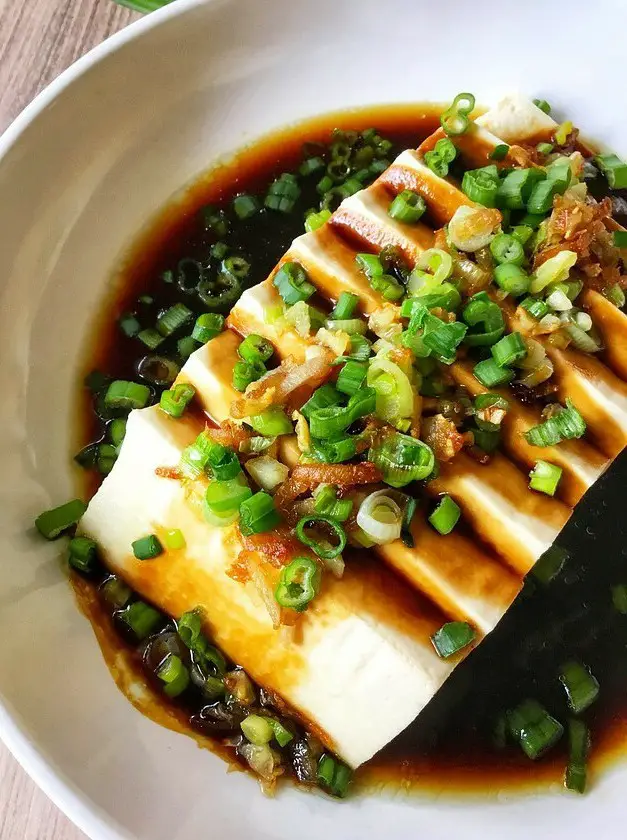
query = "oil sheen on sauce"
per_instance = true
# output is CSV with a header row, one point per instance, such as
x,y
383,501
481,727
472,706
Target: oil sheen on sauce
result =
x,y
452,748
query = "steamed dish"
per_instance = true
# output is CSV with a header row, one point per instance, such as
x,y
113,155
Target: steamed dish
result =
x,y
322,493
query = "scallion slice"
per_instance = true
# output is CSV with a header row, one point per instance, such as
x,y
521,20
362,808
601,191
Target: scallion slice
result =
x,y
272,423
578,749
208,326
244,373
345,306
402,459
174,401
351,377
545,477
299,584
408,207
173,319
224,497
174,675
141,618
509,350
481,185
452,637
581,687
325,396
619,598
445,516
147,548
246,206
534,728
52,523
322,548
614,169
258,514
255,348
490,374
334,776
292,284
83,554
567,424
122,394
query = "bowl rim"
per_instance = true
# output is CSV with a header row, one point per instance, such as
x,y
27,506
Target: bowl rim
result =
x,y
77,807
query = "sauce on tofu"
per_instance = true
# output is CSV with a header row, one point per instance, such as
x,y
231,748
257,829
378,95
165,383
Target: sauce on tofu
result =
x,y
458,744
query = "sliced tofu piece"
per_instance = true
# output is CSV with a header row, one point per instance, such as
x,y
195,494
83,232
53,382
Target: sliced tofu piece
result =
x,y
611,323
364,667
515,119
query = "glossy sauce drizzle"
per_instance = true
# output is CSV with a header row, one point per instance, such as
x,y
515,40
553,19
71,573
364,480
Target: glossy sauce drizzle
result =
x,y
452,747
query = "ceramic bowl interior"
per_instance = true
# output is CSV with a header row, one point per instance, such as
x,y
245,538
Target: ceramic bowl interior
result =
x,y
81,173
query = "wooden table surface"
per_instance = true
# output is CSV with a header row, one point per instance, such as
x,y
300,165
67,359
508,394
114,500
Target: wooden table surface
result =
x,y
39,39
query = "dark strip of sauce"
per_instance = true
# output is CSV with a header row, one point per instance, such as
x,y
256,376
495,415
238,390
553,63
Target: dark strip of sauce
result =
x,y
452,746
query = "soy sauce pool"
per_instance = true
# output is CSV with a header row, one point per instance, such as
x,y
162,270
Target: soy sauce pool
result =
x,y
456,745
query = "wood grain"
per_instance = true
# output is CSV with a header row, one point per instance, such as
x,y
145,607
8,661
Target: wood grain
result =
x,y
39,39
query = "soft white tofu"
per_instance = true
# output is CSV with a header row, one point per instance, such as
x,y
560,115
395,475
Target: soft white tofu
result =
x,y
516,119
365,666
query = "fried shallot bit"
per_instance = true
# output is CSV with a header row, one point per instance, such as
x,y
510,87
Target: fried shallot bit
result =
x,y
173,473
582,226
306,477
275,387
442,436
229,433
278,547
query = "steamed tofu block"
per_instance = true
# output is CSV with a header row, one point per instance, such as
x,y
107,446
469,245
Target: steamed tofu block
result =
x,y
515,119
362,639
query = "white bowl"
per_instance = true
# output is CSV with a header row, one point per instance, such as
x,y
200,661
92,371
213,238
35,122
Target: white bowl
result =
x,y
81,171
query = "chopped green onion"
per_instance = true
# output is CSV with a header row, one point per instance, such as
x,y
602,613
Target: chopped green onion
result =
x,y
351,377
545,477
446,515
283,193
223,461
174,674
173,319
452,637
550,564
481,185
545,148
567,424
330,423
215,220
535,307
512,279
147,548
126,395
272,423
186,346
327,503
129,325
228,495
490,374
619,598
117,431
408,207
175,401
52,523
408,515
174,539
579,747
140,618
189,628
236,266
581,688
455,119
333,451
257,729
116,592
322,548
387,287
505,248
438,159
402,459
534,728
485,319
258,514
314,221
370,264
244,373
542,195
614,169
255,348
620,238
345,306
299,584
83,554
310,166
334,776
442,338
543,105
208,326
499,152
245,206
151,338
323,397
292,284
509,350
107,456
516,188
281,735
